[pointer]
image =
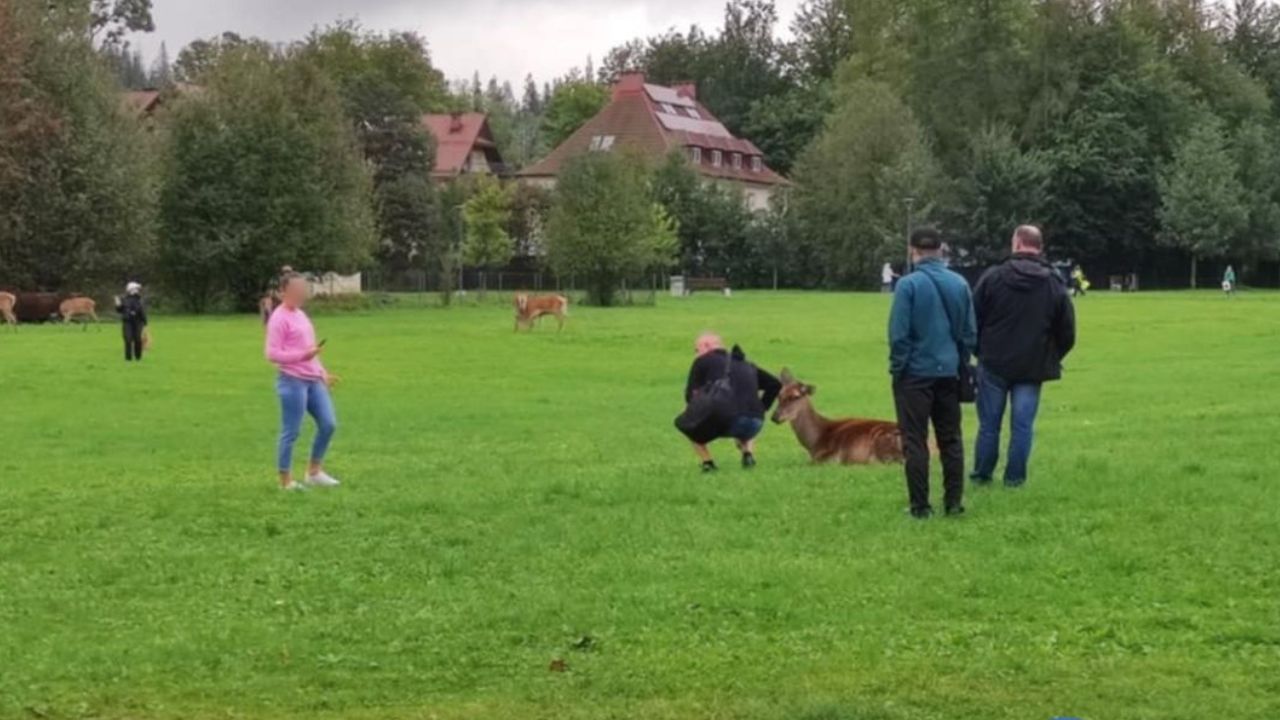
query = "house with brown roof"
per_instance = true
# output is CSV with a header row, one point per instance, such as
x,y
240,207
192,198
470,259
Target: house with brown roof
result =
x,y
657,120
464,145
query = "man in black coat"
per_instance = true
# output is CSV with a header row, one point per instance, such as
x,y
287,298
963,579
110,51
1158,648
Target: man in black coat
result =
x,y
1026,326
133,321
754,391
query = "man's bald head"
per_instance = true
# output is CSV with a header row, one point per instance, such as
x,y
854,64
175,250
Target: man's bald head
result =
x,y
708,342
1028,239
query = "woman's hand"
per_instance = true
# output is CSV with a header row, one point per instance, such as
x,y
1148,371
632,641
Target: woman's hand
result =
x,y
312,353
331,381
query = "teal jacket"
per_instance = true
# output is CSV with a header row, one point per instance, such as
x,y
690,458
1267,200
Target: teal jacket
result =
x,y
921,341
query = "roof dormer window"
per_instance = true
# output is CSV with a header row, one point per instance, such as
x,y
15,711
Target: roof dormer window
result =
x,y
693,113
602,143
757,165
737,161
695,155
669,109
717,158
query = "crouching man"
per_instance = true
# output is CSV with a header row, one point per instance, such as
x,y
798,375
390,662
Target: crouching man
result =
x,y
727,397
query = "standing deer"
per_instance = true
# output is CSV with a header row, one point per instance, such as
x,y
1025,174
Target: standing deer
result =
x,y
8,302
78,307
529,309
851,441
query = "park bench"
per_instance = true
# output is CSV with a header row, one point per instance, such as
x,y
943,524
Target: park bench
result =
x,y
693,285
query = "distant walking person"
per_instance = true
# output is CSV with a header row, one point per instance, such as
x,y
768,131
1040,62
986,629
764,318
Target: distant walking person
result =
x,y
1026,326
1229,281
1079,283
887,276
931,332
133,321
739,414
302,384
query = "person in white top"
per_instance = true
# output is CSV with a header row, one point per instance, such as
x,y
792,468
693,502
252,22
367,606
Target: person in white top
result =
x,y
887,276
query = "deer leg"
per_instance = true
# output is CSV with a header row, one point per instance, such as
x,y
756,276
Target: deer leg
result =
x,y
559,321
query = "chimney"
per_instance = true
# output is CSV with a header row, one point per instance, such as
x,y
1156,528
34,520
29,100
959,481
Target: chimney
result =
x,y
629,83
686,90
455,122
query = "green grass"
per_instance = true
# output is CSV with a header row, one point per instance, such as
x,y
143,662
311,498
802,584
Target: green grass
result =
x,y
508,495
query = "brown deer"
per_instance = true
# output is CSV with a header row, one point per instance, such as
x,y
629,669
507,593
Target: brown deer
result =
x,y
78,307
8,302
529,309
851,441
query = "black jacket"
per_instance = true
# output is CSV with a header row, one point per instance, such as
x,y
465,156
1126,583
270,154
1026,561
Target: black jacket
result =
x,y
754,390
1026,323
132,310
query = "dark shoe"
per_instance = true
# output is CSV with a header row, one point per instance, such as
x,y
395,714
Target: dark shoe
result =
x,y
748,460
1014,484
922,513
709,466
955,511
979,480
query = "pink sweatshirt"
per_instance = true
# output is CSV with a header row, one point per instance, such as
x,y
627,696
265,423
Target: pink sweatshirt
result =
x,y
290,337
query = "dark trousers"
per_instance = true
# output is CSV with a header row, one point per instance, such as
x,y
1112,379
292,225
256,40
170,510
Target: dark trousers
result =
x,y
920,400
132,340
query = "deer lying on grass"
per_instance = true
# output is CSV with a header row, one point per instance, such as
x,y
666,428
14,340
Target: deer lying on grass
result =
x,y
8,302
850,441
529,309
78,307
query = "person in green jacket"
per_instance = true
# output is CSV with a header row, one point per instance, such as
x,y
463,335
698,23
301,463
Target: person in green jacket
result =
x,y
1229,281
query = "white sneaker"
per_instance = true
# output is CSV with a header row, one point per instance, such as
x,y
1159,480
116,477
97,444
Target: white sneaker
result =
x,y
293,487
322,480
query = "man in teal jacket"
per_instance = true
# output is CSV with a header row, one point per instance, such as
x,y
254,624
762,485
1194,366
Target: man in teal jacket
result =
x,y
931,332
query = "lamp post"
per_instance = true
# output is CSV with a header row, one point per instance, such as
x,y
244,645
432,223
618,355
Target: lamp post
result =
x,y
911,206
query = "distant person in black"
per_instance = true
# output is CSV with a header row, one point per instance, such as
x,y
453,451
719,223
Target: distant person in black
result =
x,y
133,321
754,391
1026,326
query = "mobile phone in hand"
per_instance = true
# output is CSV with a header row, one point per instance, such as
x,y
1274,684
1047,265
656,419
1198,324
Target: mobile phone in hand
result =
x,y
322,342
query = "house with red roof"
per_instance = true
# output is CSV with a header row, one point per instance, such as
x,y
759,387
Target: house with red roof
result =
x,y
656,120
464,145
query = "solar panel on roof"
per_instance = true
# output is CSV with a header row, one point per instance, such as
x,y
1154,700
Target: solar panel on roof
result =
x,y
706,127
660,94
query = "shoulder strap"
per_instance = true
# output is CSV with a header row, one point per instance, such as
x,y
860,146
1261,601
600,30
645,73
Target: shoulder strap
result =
x,y
946,307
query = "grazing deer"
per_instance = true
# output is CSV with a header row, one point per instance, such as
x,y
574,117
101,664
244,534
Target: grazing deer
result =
x,y
7,303
849,441
78,307
529,309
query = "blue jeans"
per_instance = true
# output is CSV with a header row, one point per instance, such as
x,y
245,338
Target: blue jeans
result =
x,y
746,428
993,394
298,397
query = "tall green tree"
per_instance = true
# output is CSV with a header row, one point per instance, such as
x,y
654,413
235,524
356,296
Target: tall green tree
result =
x,y
261,170
855,184
77,191
713,221
1001,187
1202,205
572,104
487,214
605,226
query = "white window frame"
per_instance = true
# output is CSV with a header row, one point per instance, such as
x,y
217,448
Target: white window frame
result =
x,y
695,155
602,143
757,164
693,113
669,109
737,161
717,158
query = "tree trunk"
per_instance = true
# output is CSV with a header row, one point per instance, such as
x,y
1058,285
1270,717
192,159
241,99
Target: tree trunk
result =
x,y
1194,262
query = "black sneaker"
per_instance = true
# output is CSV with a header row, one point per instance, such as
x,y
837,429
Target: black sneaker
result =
x,y
922,513
748,460
979,480
955,511
709,466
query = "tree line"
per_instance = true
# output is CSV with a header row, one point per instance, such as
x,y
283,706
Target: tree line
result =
x,y
1140,133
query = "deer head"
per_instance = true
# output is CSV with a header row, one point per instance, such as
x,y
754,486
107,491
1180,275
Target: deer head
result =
x,y
793,398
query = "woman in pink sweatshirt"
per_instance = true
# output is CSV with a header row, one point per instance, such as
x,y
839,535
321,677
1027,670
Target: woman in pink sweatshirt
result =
x,y
303,384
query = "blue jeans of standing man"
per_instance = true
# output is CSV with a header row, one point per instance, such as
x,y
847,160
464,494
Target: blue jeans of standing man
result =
x,y
994,393
299,397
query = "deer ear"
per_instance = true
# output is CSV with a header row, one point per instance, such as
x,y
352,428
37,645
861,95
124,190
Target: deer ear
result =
x,y
810,390
786,377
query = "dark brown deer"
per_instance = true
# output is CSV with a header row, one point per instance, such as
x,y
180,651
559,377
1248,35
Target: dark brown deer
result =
x,y
851,441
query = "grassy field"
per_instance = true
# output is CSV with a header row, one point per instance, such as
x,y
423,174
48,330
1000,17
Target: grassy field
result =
x,y
510,500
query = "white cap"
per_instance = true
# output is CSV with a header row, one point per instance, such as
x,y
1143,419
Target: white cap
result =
x,y
133,288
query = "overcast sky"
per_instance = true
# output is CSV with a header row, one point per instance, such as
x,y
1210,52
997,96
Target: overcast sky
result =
x,y
507,38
